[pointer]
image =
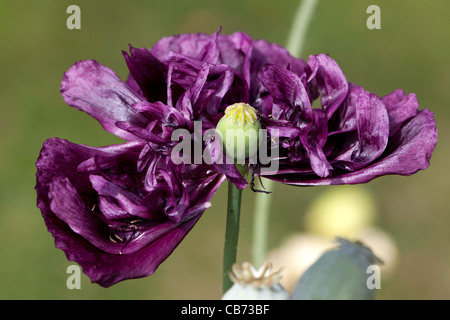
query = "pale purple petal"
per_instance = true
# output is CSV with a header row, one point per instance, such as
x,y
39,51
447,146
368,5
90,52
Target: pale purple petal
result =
x,y
400,106
98,91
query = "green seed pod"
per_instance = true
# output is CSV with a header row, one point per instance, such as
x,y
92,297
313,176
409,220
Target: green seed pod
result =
x,y
251,284
339,274
239,131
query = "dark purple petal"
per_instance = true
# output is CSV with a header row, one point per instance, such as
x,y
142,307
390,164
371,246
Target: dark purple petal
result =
x,y
221,87
408,151
127,200
372,125
67,206
330,80
210,52
271,53
188,99
190,45
232,50
313,143
286,88
162,120
317,158
233,175
165,114
236,52
206,86
319,130
134,86
108,269
283,129
96,207
98,91
344,119
148,72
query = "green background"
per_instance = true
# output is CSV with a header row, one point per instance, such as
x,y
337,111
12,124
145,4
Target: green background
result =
x,y
410,51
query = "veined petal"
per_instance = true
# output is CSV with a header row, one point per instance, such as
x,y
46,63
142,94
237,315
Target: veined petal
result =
x,y
148,72
287,89
98,91
127,200
236,51
135,233
67,205
400,107
108,269
271,53
330,80
190,45
372,126
210,52
317,158
408,152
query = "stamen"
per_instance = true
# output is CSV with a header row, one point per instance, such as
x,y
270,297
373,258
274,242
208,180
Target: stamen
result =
x,y
117,237
111,238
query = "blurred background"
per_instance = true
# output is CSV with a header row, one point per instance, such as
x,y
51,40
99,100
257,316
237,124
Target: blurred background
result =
x,y
410,215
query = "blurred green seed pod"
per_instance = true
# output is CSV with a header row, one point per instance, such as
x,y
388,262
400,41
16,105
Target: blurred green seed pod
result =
x,y
251,284
343,273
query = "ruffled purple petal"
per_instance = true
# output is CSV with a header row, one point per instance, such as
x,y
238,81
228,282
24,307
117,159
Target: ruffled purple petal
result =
x,y
148,72
204,86
286,89
98,91
372,125
271,53
190,45
407,152
314,141
329,78
400,107
95,205
108,269
236,51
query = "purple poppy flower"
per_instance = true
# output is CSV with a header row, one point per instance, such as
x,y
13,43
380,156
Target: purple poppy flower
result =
x,y
119,211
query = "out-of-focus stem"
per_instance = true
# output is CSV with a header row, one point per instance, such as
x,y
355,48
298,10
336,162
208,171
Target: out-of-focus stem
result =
x,y
302,19
263,201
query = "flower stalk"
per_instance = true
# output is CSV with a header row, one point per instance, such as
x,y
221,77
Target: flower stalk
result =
x,y
261,224
231,233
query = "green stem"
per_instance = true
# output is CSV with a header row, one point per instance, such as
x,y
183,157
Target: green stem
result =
x,y
302,19
261,224
231,233
263,201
